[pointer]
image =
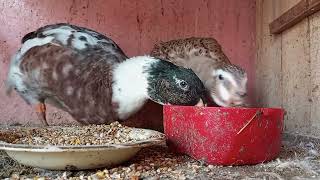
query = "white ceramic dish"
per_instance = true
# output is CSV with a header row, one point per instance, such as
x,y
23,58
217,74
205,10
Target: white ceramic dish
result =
x,y
81,157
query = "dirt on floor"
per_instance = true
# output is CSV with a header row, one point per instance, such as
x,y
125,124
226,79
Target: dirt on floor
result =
x,y
299,159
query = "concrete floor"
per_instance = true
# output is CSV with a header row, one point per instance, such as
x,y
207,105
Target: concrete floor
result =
x,y
299,159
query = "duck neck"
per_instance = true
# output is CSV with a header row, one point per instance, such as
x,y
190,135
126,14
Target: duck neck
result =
x,y
130,85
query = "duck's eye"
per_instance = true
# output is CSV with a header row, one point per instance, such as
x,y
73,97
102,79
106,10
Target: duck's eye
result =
x,y
220,77
183,84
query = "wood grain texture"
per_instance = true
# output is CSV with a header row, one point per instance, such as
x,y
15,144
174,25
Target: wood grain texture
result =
x,y
294,15
299,76
268,63
296,78
315,73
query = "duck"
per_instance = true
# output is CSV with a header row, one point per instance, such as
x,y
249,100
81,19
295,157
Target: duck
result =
x,y
86,74
226,83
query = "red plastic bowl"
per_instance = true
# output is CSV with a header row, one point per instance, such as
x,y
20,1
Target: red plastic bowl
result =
x,y
224,136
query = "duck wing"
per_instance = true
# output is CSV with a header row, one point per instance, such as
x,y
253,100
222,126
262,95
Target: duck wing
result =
x,y
72,36
78,81
190,50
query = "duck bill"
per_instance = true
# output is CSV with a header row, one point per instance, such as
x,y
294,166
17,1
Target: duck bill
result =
x,y
201,103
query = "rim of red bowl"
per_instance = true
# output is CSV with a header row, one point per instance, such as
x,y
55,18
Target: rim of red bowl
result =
x,y
224,108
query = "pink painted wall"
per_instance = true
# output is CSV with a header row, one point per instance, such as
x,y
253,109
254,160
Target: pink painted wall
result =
x,y
135,25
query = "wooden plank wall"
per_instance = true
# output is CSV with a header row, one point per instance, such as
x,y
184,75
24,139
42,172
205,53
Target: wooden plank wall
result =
x,y
288,67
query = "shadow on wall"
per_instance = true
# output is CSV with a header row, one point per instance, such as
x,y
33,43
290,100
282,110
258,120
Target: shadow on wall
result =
x,y
150,116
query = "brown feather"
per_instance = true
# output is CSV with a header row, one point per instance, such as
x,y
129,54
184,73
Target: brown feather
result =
x,y
88,100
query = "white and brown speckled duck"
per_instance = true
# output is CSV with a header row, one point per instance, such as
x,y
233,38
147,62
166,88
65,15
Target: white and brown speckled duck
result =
x,y
86,74
225,82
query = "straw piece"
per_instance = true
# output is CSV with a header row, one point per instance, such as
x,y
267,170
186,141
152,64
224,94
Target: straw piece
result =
x,y
255,115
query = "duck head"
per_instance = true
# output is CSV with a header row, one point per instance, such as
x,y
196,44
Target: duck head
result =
x,y
174,85
143,77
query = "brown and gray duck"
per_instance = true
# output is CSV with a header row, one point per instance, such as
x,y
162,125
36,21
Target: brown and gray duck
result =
x,y
87,74
226,82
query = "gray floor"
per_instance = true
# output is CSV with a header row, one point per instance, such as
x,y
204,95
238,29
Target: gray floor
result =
x,y
299,159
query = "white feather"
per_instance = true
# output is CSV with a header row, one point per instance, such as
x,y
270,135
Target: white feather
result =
x,y
225,95
26,46
223,98
15,80
130,85
226,75
218,101
61,34
81,44
14,75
